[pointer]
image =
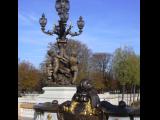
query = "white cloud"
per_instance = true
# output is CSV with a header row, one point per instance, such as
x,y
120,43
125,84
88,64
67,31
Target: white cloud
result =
x,y
26,18
33,18
22,18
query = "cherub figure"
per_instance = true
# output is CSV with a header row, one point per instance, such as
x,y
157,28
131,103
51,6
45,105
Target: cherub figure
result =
x,y
54,63
74,66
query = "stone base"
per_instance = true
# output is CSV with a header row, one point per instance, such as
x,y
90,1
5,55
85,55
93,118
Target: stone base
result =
x,y
61,94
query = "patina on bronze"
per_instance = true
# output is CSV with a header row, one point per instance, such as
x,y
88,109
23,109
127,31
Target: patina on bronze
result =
x,y
85,105
61,68
85,101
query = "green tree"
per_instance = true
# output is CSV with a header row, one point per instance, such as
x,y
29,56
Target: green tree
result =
x,y
43,75
126,67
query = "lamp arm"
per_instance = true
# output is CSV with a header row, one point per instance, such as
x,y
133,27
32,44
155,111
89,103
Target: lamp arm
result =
x,y
75,33
68,30
47,32
55,31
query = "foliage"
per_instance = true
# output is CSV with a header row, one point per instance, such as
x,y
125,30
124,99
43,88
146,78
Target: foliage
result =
x,y
126,66
98,66
28,77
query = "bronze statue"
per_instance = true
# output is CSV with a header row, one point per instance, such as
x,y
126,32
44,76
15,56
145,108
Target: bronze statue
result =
x,y
62,69
85,104
81,102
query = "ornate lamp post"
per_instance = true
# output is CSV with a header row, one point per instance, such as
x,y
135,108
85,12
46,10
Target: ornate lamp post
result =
x,y
61,30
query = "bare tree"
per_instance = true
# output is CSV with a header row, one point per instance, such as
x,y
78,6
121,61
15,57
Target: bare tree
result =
x,y
98,67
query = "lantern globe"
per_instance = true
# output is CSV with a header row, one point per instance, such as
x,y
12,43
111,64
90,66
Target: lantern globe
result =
x,y
80,23
43,21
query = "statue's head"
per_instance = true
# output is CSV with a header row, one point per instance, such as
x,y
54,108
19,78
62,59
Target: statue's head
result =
x,y
82,91
85,84
51,53
122,104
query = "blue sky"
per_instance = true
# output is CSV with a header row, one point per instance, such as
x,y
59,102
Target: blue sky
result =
x,y
109,24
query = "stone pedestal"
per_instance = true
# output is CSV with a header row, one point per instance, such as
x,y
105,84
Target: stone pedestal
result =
x,y
61,94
